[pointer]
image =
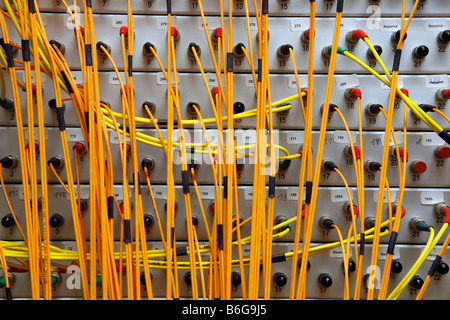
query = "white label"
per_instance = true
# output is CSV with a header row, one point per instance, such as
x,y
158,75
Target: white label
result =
x,y
341,136
159,192
71,246
382,253
249,81
211,23
390,25
436,81
74,134
119,21
248,136
54,195
340,195
33,79
77,77
36,133
292,81
431,139
68,21
299,24
292,194
114,139
294,137
161,79
211,79
212,135
252,23
84,193
399,84
385,199
398,137
347,82
248,194
348,24
337,253
44,19
118,193
161,22
433,254
433,25
113,78
429,198
207,193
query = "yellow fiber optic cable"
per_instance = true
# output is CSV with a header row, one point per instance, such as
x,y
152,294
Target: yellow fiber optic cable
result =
x,y
309,217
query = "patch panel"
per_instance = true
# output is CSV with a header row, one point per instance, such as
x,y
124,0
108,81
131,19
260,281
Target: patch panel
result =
x,y
426,163
417,203
422,89
166,212
372,8
191,31
324,281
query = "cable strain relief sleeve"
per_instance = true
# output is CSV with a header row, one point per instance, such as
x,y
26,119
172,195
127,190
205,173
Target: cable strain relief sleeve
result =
x,y
9,55
86,119
88,54
8,293
110,207
130,65
259,72
362,243
181,251
392,241
225,187
340,6
31,7
434,266
89,3
67,82
281,257
136,181
127,230
220,236
229,61
308,193
271,187
60,117
172,237
169,6
397,59
445,136
26,50
185,181
265,7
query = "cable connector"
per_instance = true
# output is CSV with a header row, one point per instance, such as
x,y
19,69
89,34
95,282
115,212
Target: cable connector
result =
x,y
7,104
404,91
427,107
356,35
57,162
442,209
9,162
353,94
328,166
340,50
123,31
419,224
350,151
326,222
